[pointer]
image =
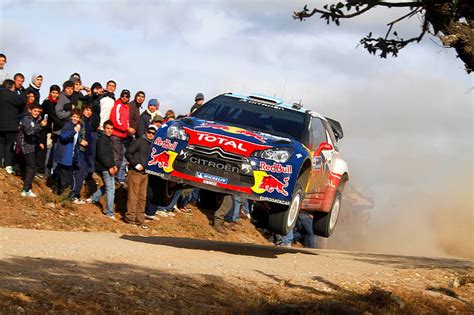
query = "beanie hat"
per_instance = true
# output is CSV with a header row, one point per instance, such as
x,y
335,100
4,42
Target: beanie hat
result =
x,y
96,85
125,93
153,101
75,79
157,118
199,96
36,75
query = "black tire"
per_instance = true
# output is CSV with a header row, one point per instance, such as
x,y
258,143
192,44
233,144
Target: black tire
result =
x,y
160,191
210,200
322,224
282,219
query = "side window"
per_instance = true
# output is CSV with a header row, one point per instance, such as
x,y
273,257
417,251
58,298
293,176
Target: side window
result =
x,y
318,133
330,132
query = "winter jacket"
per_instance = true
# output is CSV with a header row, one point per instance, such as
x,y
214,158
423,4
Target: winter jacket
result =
x,y
194,107
63,107
11,105
94,100
54,123
134,109
145,121
28,134
120,118
85,134
67,146
106,105
137,153
78,99
104,155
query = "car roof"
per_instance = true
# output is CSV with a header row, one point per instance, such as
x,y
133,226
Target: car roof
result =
x,y
275,101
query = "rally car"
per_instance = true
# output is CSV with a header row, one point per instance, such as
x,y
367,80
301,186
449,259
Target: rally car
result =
x,y
280,155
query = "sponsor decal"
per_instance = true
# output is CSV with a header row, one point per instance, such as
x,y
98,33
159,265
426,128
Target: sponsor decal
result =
x,y
276,168
299,156
166,144
268,183
316,162
234,130
208,182
228,144
163,160
155,173
274,200
213,178
218,165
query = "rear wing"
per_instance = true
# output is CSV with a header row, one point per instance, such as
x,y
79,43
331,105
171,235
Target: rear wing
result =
x,y
336,128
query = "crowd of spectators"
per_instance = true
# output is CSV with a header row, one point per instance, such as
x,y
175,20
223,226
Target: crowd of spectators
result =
x,y
76,131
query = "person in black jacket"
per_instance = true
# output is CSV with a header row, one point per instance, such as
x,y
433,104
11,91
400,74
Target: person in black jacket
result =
x,y
11,105
29,144
137,156
105,166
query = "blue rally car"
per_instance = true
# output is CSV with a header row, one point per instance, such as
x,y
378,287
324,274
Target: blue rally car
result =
x,y
278,154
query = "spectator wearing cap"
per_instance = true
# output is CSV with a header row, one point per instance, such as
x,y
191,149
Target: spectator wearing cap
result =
x,y
134,108
137,156
107,101
35,85
77,98
157,121
169,115
94,100
147,116
3,72
119,116
198,101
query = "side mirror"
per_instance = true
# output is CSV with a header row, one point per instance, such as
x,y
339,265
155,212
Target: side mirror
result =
x,y
324,146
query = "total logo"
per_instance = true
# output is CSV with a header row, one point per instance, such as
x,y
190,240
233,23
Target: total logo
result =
x,y
276,168
163,160
228,144
166,144
234,130
268,183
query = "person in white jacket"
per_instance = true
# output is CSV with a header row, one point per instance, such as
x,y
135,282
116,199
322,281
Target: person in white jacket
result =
x,y
107,102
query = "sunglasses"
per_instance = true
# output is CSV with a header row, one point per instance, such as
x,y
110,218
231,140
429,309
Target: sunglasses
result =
x,y
151,132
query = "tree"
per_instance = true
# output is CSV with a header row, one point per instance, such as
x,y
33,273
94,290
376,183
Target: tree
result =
x,y
451,21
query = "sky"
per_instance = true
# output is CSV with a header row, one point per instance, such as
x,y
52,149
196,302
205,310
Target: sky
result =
x,y
407,120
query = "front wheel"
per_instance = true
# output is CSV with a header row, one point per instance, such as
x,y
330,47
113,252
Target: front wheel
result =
x,y
283,220
325,222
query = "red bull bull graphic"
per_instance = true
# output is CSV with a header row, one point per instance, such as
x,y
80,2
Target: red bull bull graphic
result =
x,y
163,160
270,184
228,144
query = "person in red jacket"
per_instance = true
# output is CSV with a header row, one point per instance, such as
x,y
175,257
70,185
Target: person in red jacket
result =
x,y
119,116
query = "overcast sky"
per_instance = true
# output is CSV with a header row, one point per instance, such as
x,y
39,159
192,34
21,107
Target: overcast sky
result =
x,y
408,121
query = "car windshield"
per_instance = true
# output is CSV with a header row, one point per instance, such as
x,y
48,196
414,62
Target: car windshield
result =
x,y
253,115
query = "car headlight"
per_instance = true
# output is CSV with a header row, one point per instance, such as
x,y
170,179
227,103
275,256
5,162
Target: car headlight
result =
x,y
175,131
280,155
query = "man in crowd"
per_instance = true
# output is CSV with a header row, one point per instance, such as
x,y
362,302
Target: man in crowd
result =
x,y
198,101
64,105
29,143
105,166
120,118
35,85
11,105
94,99
19,79
147,116
54,123
3,72
134,108
137,156
107,101
77,98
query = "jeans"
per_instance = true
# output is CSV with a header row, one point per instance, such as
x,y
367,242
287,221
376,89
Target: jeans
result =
x,y
79,174
109,190
194,196
304,230
233,214
123,166
151,208
30,172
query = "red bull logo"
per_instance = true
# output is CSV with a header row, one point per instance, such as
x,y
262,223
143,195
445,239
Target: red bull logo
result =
x,y
270,184
234,130
162,159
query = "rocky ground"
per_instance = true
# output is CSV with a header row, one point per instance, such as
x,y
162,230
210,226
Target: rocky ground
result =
x,y
59,258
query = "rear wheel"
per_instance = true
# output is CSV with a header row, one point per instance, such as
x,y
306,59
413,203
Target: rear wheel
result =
x,y
160,191
325,222
210,200
282,219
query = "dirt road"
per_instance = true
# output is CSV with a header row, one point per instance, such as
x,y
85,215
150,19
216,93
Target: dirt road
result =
x,y
106,272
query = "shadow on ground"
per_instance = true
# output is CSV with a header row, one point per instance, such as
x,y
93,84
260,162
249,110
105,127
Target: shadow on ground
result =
x,y
218,246
31,285
413,262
